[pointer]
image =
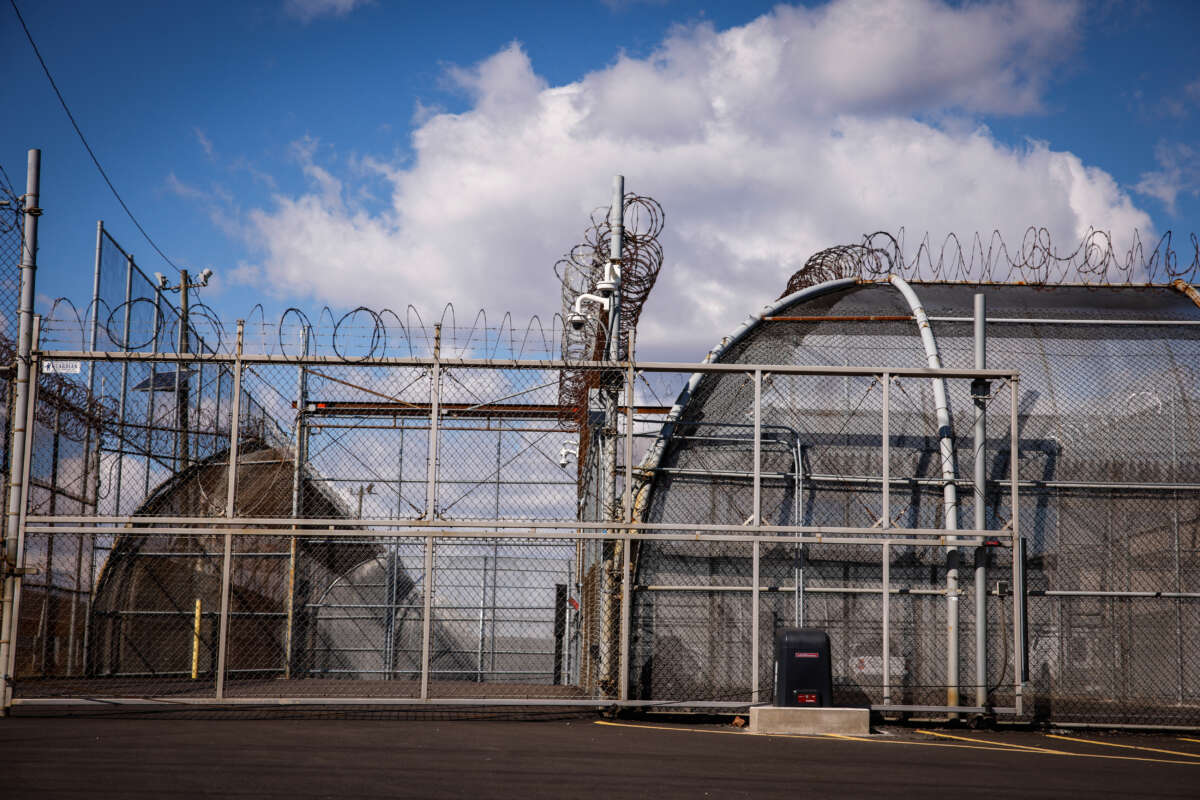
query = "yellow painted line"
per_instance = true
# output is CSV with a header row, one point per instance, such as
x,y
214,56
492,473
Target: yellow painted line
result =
x,y
841,736
1185,739
974,744
1016,748
918,744
705,730
1126,746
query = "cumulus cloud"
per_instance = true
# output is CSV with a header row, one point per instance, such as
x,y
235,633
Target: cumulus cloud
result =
x,y
766,142
308,10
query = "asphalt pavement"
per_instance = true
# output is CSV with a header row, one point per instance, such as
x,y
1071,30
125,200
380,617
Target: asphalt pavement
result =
x,y
559,755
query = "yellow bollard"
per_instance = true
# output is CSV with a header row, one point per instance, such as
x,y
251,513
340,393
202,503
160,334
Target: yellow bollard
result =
x,y
196,641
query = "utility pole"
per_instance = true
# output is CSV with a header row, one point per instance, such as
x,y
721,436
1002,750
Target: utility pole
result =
x,y
610,288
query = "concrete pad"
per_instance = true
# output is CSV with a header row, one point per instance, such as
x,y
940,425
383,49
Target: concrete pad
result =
x,y
777,719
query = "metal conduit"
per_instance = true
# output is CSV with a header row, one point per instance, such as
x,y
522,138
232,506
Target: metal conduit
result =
x,y
949,489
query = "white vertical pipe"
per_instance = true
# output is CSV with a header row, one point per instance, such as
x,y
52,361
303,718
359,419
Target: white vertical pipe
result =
x,y
981,670
230,511
949,489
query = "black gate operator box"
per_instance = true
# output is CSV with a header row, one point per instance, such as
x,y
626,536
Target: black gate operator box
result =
x,y
803,669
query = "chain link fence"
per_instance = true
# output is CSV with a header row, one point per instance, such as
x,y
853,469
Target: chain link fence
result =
x,y
427,529
401,525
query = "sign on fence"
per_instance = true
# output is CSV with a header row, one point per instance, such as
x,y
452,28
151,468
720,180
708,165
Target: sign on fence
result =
x,y
57,367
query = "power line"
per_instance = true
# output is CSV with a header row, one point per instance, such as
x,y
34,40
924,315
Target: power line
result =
x,y
82,138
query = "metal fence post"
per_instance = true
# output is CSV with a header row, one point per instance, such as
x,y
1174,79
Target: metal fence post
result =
x,y
431,508
756,511
887,623
299,456
754,687
886,498
121,402
16,474
627,542
230,512
980,389
623,656
8,668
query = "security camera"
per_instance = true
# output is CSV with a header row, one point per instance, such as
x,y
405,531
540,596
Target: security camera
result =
x,y
569,448
576,321
205,275
162,280
611,281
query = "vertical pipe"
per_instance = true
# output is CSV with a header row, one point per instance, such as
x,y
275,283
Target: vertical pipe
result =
x,y
87,440
886,499
1018,566
427,618
431,508
492,620
630,385
608,441
797,493
980,391
181,379
16,473
49,607
756,508
299,456
802,552
8,668
122,400
623,655
949,488
754,687
435,386
230,512
150,393
482,612
887,623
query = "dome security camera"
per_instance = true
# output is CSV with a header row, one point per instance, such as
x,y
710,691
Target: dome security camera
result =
x,y
576,321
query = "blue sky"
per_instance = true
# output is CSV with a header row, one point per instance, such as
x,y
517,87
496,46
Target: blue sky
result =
x,y
378,153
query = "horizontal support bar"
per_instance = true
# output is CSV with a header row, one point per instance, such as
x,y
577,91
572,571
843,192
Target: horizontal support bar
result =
x,y
869,536
483,528
1069,593
556,364
786,589
452,701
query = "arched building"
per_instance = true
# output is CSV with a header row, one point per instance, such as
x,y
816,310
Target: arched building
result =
x,y
1109,471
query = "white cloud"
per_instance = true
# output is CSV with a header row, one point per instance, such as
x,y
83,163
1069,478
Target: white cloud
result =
x,y
767,142
205,143
1178,173
308,10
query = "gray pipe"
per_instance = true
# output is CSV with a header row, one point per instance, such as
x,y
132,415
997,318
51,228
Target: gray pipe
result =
x,y
980,390
16,471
